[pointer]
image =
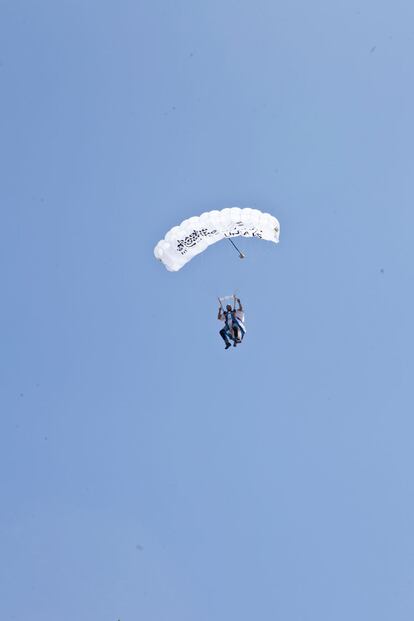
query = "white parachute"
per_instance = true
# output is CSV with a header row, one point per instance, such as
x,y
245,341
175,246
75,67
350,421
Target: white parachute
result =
x,y
194,235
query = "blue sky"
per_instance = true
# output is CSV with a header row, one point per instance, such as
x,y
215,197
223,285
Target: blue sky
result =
x,y
145,472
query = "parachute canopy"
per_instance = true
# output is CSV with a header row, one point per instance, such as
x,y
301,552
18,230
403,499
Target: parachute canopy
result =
x,y
194,235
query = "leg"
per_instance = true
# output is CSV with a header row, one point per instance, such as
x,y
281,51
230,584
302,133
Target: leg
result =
x,y
223,334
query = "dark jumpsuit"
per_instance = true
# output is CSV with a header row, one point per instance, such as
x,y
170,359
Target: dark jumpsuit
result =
x,y
225,332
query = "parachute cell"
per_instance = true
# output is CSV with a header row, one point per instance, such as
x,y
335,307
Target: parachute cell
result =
x,y
195,234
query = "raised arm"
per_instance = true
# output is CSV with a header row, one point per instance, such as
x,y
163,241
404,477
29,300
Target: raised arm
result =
x,y
240,306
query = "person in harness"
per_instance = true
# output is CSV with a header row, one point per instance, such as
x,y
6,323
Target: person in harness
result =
x,y
233,329
238,323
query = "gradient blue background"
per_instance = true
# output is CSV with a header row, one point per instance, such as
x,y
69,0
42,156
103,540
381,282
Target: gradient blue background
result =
x,y
145,472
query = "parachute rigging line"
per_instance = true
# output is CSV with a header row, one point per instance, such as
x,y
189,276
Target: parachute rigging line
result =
x,y
241,255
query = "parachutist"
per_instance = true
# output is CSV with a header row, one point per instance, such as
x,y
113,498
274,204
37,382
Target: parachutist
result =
x,y
238,323
226,333
234,329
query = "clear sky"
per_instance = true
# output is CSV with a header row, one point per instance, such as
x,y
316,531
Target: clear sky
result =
x,y
146,473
